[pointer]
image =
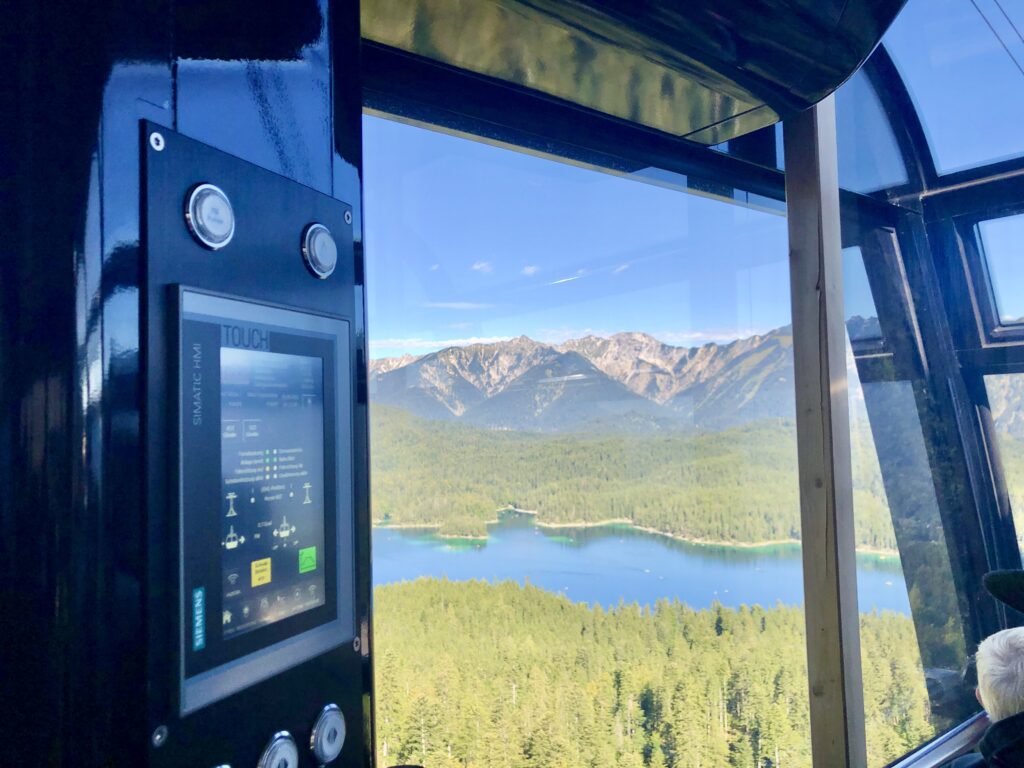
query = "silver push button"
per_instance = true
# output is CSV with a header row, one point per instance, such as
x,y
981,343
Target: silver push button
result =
x,y
209,216
281,752
328,735
319,250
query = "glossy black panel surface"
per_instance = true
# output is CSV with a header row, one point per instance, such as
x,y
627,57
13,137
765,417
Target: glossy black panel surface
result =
x,y
78,79
262,262
227,89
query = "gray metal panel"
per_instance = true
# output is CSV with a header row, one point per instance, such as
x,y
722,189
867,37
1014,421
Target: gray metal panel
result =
x,y
823,441
948,746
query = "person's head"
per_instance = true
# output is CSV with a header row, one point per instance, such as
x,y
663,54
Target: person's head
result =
x,y
1000,660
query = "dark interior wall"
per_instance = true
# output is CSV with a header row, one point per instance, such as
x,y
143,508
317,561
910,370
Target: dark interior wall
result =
x,y
273,82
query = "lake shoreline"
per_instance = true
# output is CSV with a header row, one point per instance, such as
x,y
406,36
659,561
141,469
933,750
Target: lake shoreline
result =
x,y
435,527
610,522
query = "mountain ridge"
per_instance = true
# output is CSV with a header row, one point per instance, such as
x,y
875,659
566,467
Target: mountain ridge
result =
x,y
629,379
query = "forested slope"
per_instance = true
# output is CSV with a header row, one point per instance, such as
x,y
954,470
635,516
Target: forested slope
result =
x,y
737,485
502,676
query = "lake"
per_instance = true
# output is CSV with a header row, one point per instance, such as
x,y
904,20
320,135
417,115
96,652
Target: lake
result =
x,y
611,564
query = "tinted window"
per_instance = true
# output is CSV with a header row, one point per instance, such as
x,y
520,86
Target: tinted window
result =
x,y
861,315
898,512
870,158
1002,246
962,63
1005,395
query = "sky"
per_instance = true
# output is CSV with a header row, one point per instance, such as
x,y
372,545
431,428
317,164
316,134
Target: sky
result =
x,y
963,63
1001,240
469,242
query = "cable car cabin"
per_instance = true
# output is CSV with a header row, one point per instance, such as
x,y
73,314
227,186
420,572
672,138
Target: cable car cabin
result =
x,y
512,384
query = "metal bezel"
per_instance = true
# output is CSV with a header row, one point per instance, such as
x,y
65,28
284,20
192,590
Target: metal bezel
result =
x,y
319,724
278,739
307,239
194,230
210,685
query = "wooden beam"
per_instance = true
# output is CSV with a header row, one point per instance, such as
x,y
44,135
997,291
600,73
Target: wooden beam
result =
x,y
823,440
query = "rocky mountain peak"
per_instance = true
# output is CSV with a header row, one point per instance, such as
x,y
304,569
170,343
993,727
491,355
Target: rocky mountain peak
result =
x,y
509,383
385,364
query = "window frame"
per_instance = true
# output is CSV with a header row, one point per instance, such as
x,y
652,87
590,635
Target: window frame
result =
x,y
991,329
417,90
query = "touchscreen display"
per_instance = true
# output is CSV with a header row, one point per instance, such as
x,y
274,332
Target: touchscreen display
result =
x,y
272,487
265,491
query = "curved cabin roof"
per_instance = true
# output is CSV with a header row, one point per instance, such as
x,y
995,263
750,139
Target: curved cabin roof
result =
x,y
706,70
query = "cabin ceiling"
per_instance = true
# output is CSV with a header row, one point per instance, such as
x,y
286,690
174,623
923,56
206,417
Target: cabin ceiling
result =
x,y
706,70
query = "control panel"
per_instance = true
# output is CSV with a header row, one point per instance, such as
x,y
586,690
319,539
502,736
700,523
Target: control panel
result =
x,y
258,582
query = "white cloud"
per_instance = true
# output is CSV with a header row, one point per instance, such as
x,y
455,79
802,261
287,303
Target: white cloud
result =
x,y
402,346
434,267
482,266
711,335
456,305
619,269
564,280
674,338
529,270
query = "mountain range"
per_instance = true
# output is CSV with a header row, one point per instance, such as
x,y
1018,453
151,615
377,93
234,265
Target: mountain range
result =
x,y
628,381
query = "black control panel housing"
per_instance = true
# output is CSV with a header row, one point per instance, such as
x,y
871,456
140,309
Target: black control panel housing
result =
x,y
295,336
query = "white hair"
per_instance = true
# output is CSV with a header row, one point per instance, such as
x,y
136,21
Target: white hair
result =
x,y
1001,673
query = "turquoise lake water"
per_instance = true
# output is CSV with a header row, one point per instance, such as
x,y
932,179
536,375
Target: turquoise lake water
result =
x,y
614,564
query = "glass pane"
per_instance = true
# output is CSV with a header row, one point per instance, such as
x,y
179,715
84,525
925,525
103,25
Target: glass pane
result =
x,y
586,540
962,63
763,147
1005,393
869,157
1001,245
916,681
861,315
584,466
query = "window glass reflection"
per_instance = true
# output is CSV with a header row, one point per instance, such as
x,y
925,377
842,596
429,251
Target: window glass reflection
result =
x,y
587,525
898,518
861,315
963,63
869,157
917,679
1001,246
584,465
1005,393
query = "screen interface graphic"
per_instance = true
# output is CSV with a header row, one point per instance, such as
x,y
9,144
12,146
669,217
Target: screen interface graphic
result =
x,y
272,494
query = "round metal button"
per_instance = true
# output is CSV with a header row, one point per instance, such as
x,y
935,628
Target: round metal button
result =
x,y
210,217
328,735
281,752
319,250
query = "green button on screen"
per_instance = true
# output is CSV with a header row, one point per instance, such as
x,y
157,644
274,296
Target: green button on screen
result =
x,y
307,559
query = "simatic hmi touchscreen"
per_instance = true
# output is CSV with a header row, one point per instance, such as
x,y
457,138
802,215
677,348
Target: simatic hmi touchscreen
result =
x,y
272,467
266,491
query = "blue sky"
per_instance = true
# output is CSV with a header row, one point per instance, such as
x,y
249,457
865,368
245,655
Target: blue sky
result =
x,y
1001,240
469,242
962,61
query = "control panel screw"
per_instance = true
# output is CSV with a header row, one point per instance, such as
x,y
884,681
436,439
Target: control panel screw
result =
x,y
348,217
356,645
159,737
156,141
